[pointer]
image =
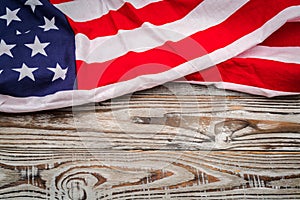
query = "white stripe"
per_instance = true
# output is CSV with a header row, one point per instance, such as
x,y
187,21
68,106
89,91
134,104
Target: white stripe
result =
x,y
149,36
243,88
77,97
85,10
280,54
297,19
253,90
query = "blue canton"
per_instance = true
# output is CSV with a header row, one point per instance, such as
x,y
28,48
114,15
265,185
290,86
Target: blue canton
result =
x,y
37,49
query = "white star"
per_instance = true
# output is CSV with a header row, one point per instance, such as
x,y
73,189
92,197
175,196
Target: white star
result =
x,y
49,24
58,72
33,4
5,48
25,72
11,16
1,71
38,47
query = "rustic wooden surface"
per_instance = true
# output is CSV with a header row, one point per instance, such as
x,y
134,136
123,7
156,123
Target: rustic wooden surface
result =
x,y
172,142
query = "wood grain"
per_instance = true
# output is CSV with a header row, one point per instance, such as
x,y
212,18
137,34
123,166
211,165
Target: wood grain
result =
x,y
65,174
172,142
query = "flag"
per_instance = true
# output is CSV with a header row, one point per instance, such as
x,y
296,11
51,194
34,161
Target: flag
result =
x,y
61,53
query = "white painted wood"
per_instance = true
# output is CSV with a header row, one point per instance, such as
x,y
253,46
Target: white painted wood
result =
x,y
209,144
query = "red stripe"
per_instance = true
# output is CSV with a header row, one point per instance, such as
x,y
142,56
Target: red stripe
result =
x,y
173,54
59,1
288,35
253,72
128,17
246,20
90,76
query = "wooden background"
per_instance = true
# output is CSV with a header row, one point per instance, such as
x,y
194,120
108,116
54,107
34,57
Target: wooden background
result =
x,y
175,141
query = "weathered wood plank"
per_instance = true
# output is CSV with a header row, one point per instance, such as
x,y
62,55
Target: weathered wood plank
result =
x,y
82,174
231,134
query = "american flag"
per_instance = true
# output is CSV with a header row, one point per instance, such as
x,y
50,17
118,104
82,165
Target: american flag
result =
x,y
60,53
